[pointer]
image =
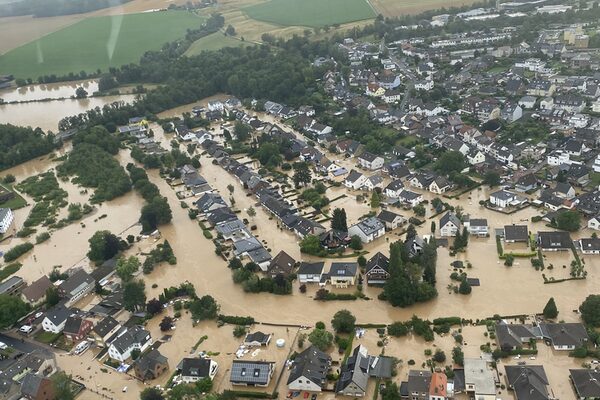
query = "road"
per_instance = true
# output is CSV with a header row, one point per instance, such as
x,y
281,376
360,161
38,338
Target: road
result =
x,y
25,346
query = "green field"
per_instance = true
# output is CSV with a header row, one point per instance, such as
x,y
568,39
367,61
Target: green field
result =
x,y
100,42
213,41
311,13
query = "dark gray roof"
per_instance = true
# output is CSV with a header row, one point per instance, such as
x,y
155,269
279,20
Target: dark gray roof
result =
x,y
311,268
103,327
137,334
282,263
418,381
147,363
478,222
590,244
58,314
370,225
565,334
516,232
511,336
586,382
528,381
73,324
260,337
449,217
10,283
250,372
388,216
76,283
503,195
31,385
353,176
355,370
341,269
196,367
378,260
555,240
381,366
312,364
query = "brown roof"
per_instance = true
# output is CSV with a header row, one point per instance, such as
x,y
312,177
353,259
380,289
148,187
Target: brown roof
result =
x,y
37,289
283,263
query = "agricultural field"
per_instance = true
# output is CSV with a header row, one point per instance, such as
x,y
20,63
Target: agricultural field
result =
x,y
214,41
396,8
97,43
310,13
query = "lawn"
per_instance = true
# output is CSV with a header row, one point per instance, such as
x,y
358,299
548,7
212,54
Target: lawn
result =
x,y
97,43
213,41
311,13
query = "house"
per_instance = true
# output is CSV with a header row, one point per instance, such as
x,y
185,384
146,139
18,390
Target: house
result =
x,y
6,219
527,102
355,180
565,336
477,226
511,112
594,223
414,245
391,219
76,286
529,382
55,319
479,379
105,330
210,202
439,185
354,375
513,336
334,239
503,199
394,188
283,264
14,374
310,272
257,339
309,371
370,161
251,373
35,293
564,190
342,274
377,269
410,198
215,105
418,384
438,388
12,285
151,365
585,383
554,241
516,233
367,230
135,338
37,387
195,369
77,328
526,183
449,225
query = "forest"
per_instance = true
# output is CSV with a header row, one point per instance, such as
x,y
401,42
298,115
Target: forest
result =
x,y
53,8
20,144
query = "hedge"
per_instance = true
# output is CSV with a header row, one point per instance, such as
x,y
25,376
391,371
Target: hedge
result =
x,y
17,251
335,296
249,395
236,320
448,320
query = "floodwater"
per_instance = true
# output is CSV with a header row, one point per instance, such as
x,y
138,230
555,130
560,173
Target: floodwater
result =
x,y
519,289
47,114
59,90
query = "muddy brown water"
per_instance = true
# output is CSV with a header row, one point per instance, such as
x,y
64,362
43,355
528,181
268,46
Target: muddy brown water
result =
x,y
59,90
504,290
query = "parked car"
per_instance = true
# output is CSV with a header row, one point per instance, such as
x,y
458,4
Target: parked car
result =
x,y
81,347
3,346
26,329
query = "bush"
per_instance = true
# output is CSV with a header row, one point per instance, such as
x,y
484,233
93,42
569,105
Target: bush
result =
x,y
235,320
17,251
239,331
398,329
42,237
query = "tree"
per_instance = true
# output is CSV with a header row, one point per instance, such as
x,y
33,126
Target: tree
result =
x,y
302,175
81,93
343,322
239,331
62,386
52,296
491,178
230,188
465,286
509,259
458,356
362,261
103,246
590,310
550,310
151,393
339,221
126,267
12,308
230,31
311,244
154,213
569,221
439,356
432,226
241,131
390,392
204,385
449,162
355,243
154,306
269,155
204,308
398,329
251,212
107,82
166,324
375,199
235,263
321,339
134,296
419,210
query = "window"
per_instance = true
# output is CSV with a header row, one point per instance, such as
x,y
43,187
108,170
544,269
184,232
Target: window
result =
x,y
256,372
243,373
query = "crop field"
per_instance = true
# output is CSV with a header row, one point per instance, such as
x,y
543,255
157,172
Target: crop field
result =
x,y
97,43
213,41
311,13
396,8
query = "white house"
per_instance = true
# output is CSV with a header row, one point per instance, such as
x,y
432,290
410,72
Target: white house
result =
x,y
215,105
424,85
374,182
128,340
410,198
309,371
367,230
370,161
439,185
310,272
477,226
449,225
195,369
590,245
503,198
594,223
394,189
55,319
355,180
527,102
558,157
6,219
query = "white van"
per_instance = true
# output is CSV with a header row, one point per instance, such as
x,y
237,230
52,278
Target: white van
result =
x,y
26,329
81,347
3,346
